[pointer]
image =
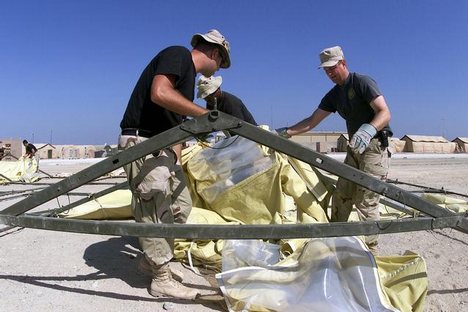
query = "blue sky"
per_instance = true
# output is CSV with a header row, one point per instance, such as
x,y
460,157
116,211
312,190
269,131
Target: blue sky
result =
x,y
67,68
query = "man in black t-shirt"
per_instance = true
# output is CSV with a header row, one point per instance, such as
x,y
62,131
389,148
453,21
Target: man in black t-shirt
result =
x,y
30,149
209,89
359,101
161,99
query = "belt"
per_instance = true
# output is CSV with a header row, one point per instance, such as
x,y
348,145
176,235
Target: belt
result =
x,y
137,132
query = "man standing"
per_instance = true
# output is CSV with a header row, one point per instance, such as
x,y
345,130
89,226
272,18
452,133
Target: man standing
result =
x,y
359,101
161,99
209,89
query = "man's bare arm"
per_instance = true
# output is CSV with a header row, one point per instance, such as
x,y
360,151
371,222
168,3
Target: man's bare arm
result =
x,y
163,93
382,113
309,123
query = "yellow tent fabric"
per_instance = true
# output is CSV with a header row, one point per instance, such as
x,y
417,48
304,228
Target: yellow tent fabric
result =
x,y
455,204
282,191
302,180
22,170
254,189
404,279
116,205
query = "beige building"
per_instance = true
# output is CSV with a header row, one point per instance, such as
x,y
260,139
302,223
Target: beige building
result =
x,y
428,144
462,144
398,146
11,148
46,151
319,141
337,142
76,151
342,142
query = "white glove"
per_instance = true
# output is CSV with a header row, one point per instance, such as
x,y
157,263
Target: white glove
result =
x,y
283,132
362,138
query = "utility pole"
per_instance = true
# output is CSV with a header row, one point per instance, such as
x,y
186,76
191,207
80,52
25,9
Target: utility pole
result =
x,y
443,127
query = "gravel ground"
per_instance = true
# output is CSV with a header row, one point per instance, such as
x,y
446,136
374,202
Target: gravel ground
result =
x,y
58,271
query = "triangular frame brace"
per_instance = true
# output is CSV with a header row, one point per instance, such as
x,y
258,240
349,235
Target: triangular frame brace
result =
x,y
217,121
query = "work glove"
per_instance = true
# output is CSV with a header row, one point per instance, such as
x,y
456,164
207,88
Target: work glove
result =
x,y
283,132
362,138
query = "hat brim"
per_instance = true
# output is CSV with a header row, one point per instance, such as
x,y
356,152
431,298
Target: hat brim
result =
x,y
329,63
204,93
226,63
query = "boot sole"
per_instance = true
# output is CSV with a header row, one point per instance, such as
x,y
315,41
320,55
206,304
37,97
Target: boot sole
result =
x,y
157,294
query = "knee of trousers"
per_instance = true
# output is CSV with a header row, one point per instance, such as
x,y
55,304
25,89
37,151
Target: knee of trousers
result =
x,y
154,183
367,198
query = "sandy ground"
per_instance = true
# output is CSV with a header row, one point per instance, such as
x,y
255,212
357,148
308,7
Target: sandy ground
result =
x,y
445,251
57,271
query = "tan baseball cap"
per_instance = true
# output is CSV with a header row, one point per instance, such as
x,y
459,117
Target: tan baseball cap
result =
x,y
331,56
207,86
215,36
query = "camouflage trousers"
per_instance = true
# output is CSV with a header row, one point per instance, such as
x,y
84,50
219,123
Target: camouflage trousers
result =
x,y
160,195
375,162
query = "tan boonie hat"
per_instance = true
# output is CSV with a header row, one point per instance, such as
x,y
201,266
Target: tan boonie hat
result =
x,y
215,36
207,86
331,56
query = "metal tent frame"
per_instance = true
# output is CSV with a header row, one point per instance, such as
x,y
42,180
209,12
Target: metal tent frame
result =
x,y
435,216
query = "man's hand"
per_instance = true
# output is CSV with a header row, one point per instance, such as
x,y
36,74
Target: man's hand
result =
x,y
362,138
283,132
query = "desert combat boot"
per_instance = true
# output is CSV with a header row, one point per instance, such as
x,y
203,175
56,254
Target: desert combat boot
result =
x,y
164,284
144,267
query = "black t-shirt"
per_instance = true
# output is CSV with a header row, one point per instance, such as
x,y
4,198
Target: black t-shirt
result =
x,y
232,105
30,149
352,101
141,112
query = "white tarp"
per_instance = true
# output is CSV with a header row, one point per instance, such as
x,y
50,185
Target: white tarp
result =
x,y
330,274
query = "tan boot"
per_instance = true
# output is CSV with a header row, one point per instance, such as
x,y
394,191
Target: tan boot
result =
x,y
144,267
164,284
